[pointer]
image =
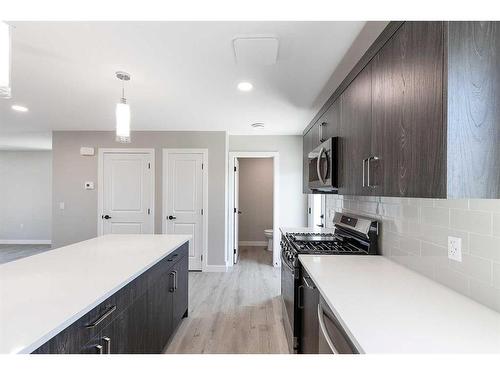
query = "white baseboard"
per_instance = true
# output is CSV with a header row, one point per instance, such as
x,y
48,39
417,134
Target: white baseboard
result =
x,y
214,268
252,243
25,242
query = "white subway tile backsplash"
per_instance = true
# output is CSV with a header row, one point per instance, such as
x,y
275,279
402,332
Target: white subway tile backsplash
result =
x,y
472,221
496,225
414,233
485,246
436,216
490,205
496,275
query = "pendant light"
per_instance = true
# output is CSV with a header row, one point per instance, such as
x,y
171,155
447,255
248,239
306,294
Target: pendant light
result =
x,y
5,61
123,112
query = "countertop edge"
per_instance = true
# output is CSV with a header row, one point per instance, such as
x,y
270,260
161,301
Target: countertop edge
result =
x,y
42,340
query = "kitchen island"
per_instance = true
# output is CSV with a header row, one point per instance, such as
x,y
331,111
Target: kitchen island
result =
x,y
111,294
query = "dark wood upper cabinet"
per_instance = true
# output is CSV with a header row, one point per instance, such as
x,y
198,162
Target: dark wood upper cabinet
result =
x,y
355,135
408,134
430,126
473,116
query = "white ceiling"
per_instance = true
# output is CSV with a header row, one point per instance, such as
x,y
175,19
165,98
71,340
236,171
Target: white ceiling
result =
x,y
184,75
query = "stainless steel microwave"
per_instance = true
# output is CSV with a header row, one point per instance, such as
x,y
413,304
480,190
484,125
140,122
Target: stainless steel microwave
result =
x,y
323,166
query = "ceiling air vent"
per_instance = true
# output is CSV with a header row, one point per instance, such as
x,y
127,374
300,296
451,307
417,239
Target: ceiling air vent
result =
x,y
256,50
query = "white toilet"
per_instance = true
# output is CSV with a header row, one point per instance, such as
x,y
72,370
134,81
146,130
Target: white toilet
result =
x,y
269,235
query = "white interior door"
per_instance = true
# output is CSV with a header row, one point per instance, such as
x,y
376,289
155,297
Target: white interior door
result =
x,y
236,211
184,201
127,193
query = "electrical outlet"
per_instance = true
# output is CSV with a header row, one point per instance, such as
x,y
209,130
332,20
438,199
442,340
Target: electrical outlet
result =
x,y
455,248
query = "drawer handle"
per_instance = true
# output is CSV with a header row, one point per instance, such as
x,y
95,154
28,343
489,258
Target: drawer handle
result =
x,y
107,313
98,349
324,332
107,341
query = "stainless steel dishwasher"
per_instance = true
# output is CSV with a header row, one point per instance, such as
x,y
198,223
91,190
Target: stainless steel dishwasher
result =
x,y
332,337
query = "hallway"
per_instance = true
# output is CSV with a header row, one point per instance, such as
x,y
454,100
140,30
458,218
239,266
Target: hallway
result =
x,y
234,312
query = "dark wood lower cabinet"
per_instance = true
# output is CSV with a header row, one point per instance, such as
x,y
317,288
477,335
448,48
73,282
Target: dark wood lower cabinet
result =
x,y
309,299
138,319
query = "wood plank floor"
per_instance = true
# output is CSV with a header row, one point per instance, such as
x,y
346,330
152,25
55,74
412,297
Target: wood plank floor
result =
x,y
234,312
8,253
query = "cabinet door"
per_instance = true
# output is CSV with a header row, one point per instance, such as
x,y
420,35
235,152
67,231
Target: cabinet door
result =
x,y
180,294
408,134
330,121
355,133
309,315
473,110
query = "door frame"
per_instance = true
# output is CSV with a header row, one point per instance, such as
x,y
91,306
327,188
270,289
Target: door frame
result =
x,y
275,155
204,219
100,179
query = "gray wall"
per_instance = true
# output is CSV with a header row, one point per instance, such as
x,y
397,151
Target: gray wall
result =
x,y
25,195
292,202
414,233
78,221
256,198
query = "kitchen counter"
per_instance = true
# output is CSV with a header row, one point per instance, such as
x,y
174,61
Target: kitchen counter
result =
x,y
285,230
43,294
387,308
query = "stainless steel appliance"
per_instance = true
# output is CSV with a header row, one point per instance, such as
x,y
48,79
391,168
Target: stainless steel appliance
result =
x,y
332,337
323,166
352,235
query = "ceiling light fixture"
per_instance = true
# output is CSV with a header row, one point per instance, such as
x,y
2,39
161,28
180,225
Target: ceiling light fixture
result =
x,y
123,112
5,61
245,86
19,108
258,125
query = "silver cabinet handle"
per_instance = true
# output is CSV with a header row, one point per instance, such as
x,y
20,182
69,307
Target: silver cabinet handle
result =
x,y
364,161
98,349
323,330
107,313
175,280
370,159
321,126
107,342
321,151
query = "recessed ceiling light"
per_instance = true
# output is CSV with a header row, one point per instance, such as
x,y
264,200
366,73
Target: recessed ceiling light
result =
x,y
257,125
19,108
245,86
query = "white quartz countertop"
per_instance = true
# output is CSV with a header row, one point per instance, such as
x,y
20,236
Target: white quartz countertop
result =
x,y
43,294
387,308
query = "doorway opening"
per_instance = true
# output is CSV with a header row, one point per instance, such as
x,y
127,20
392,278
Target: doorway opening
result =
x,y
253,207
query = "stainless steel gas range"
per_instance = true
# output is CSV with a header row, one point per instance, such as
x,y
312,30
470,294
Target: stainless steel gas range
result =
x,y
352,235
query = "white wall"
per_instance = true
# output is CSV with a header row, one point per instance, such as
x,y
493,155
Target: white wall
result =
x,y
78,221
292,202
25,196
255,198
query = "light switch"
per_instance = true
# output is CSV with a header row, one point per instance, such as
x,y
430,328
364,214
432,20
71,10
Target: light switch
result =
x,y
61,205
87,151
89,185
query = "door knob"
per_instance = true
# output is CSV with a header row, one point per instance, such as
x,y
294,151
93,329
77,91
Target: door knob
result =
x,y
106,217
171,217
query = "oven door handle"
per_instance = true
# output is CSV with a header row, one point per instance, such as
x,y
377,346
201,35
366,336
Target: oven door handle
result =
x,y
318,168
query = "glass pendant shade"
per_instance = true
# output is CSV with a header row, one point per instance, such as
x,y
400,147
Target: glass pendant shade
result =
x,y
5,61
123,122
